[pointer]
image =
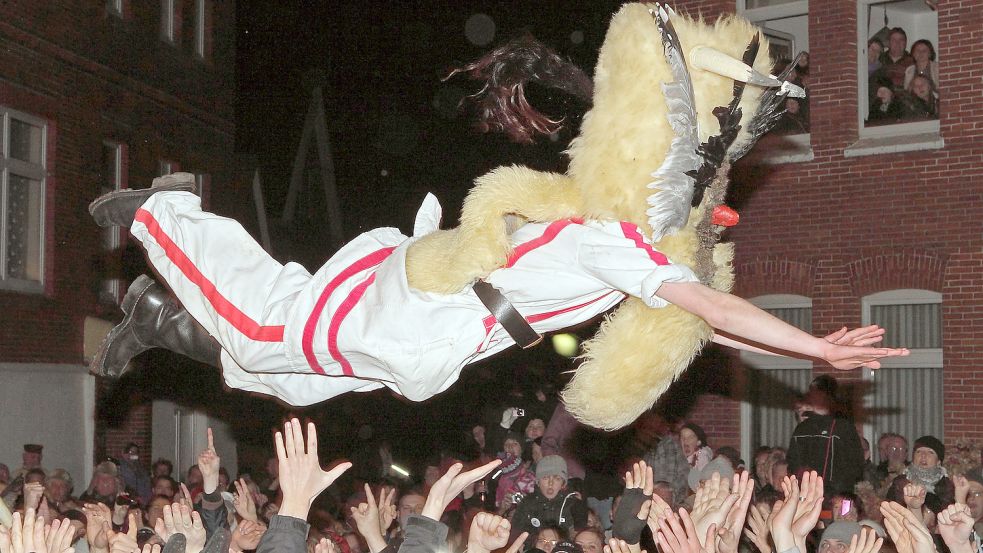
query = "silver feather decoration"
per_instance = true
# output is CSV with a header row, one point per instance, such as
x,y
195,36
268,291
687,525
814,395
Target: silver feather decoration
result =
x,y
669,205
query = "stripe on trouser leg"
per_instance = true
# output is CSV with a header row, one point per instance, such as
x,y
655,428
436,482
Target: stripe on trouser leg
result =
x,y
225,309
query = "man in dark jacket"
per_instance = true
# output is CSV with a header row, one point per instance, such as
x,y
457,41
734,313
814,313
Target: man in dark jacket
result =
x,y
826,444
551,504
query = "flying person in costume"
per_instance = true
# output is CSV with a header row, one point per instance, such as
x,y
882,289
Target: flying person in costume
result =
x,y
372,318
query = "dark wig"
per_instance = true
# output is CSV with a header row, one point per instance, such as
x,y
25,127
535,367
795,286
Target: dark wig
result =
x,y
501,103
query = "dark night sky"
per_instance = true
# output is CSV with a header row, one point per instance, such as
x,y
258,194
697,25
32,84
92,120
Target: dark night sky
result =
x,y
389,111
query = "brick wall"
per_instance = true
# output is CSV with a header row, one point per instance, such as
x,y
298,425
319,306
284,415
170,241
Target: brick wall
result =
x,y
838,228
94,76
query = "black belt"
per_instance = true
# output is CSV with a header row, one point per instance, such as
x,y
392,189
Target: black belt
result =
x,y
504,312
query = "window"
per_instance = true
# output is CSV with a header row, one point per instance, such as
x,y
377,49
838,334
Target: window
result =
x,y
115,7
203,181
22,186
113,163
772,381
785,24
170,21
906,394
897,68
203,29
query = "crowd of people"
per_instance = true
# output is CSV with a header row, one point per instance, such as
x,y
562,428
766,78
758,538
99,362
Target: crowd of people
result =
x,y
902,85
521,489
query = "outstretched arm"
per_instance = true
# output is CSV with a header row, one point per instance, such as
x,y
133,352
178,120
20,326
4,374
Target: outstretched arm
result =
x,y
749,324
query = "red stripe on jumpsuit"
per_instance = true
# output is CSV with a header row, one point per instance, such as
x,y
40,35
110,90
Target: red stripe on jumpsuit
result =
x,y
307,341
239,320
631,232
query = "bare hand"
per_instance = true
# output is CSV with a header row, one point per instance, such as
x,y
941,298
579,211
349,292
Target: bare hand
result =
x,y
713,502
247,535
847,358
301,477
387,508
757,530
450,484
124,542
488,533
678,534
243,501
907,532
97,515
615,545
961,484
809,507
209,463
367,521
955,526
865,542
862,336
178,519
324,545
729,534
657,511
914,496
60,536
33,492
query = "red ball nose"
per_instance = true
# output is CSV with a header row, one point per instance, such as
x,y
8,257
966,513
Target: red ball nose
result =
x,y
724,216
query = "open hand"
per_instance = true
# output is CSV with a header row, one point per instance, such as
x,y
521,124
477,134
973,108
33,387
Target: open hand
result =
x,y
451,484
862,336
97,515
301,477
865,542
678,534
713,502
178,519
243,502
906,530
209,463
247,535
757,530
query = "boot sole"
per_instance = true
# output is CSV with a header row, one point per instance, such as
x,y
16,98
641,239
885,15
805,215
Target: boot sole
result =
x,y
129,192
136,291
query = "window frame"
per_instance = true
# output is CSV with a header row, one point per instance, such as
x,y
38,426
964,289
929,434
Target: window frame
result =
x,y
923,135
114,286
168,22
201,28
765,362
31,171
115,8
789,148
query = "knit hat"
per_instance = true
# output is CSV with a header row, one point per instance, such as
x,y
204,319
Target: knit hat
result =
x,y
932,443
552,465
876,527
63,475
719,464
841,530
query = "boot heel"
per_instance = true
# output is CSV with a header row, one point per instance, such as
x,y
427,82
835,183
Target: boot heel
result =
x,y
133,293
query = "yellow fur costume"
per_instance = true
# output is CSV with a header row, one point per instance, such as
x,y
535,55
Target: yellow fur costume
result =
x,y
638,351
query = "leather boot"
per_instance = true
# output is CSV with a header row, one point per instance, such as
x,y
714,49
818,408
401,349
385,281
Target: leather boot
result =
x,y
119,207
153,319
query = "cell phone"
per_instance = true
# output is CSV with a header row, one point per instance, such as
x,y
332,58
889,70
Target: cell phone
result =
x,y
845,506
520,412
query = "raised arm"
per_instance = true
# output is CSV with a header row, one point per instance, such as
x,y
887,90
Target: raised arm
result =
x,y
748,324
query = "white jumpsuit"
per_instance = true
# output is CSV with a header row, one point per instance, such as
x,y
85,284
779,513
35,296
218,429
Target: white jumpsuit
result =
x,y
356,325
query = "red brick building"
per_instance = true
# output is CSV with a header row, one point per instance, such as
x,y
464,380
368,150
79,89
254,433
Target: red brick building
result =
x,y
93,95
854,223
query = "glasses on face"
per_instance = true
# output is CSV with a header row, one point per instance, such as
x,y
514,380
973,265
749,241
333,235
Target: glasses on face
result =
x,y
975,495
896,449
544,541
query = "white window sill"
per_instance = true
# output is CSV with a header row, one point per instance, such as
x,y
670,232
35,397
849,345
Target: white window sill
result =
x,y
894,144
779,149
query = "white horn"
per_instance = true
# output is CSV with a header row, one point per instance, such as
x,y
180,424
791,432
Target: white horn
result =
x,y
715,61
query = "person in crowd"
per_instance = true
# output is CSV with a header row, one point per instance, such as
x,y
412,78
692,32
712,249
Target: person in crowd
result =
x,y
695,448
759,467
165,486
548,537
162,467
551,502
892,450
874,50
590,540
924,55
136,477
846,506
896,60
516,477
718,465
30,459
104,486
825,443
925,484
410,503
969,492
58,488
667,460
920,100
535,429
193,481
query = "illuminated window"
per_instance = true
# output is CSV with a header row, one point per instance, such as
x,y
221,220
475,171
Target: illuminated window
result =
x,y
22,190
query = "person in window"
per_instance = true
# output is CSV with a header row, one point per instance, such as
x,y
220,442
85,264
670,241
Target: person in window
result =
x,y
885,105
896,60
874,50
937,490
920,100
924,54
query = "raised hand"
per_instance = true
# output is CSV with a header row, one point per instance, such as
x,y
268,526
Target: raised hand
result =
x,y
301,477
59,537
865,542
124,542
178,519
324,545
906,530
488,533
809,507
186,498
387,508
149,548
636,504
914,496
678,534
729,534
757,530
209,463
961,483
451,484
955,526
713,502
97,515
615,545
33,492
243,502
247,535
657,511
367,521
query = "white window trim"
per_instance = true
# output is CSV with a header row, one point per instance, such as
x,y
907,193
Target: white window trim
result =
x,y
32,171
167,166
200,6
168,23
115,7
769,362
116,234
884,139
922,358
